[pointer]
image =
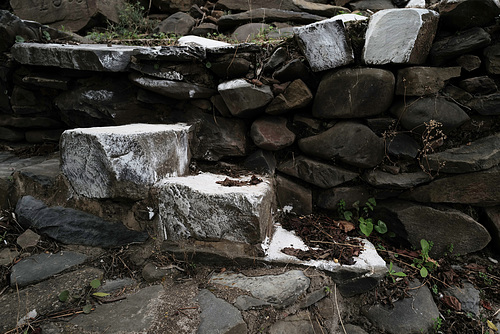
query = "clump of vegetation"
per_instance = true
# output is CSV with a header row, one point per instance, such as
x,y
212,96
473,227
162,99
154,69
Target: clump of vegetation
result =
x,y
362,215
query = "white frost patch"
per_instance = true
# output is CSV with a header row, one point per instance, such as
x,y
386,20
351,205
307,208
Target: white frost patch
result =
x,y
416,4
287,208
26,319
131,129
191,93
349,17
200,41
233,84
98,95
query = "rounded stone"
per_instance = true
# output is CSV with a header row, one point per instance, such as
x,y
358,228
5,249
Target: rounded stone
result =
x,y
271,133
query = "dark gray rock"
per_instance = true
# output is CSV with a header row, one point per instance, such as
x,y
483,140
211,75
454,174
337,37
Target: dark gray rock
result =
x,y
418,312
353,329
49,80
324,44
488,105
11,134
371,4
492,222
296,69
415,113
345,93
113,285
173,6
261,161
418,81
243,5
386,42
204,29
415,222
459,44
469,62
468,296
218,316
245,302
479,155
39,267
380,125
271,133
329,199
380,179
479,85
26,102
295,324
297,95
243,98
278,57
267,15
12,26
179,23
350,142
229,66
478,188
72,226
43,136
403,146
28,122
463,14
153,273
492,59
457,94
317,173
313,298
293,196
323,9
249,32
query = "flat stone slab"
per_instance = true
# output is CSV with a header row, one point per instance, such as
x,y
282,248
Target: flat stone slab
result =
x,y
277,290
41,266
267,15
218,316
123,161
324,44
200,207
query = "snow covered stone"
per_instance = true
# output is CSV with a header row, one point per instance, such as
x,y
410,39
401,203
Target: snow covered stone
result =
x,y
400,36
324,44
123,161
199,207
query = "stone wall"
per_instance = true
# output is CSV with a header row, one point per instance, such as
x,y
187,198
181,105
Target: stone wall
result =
x,y
408,114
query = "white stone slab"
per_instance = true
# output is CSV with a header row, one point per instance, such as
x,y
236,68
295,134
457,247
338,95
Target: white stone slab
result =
x,y
400,36
200,41
349,17
324,44
198,207
123,161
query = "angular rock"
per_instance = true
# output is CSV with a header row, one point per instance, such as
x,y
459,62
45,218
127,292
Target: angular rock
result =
x,y
11,134
243,98
152,273
459,44
317,173
28,122
371,4
418,81
402,146
479,188
350,142
441,226
267,15
140,307
28,239
7,256
249,32
399,36
464,14
324,44
487,105
295,324
29,102
218,316
199,207
179,24
293,197
354,93
420,111
380,179
68,14
353,329
297,95
279,56
479,85
204,29
245,302
12,26
39,267
380,125
271,133
85,57
49,80
330,198
468,296
419,312
469,62
173,6
296,69
322,9
230,66
173,89
123,161
278,290
492,59
479,155
72,226
243,5
43,136
261,161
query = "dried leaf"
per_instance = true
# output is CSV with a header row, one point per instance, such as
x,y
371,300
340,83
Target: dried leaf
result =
x,y
452,302
486,304
491,325
346,226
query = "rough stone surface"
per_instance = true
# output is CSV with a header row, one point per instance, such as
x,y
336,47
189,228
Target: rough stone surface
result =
x,y
380,179
72,226
492,222
402,146
28,239
324,44
418,81
293,196
297,95
479,188
479,85
267,15
243,5
315,172
218,316
468,296
479,155
123,161
420,111
261,161
295,324
271,133
469,62
487,105
244,99
353,93
173,6
36,268
418,312
459,44
330,198
351,142
463,14
179,23
399,36
250,31
278,290
7,256
441,226
492,59
199,207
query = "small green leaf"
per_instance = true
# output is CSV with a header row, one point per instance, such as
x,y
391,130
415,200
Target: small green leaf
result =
x,y
348,215
87,309
366,226
208,64
399,274
19,39
381,227
100,294
425,246
390,267
424,272
95,283
63,296
46,35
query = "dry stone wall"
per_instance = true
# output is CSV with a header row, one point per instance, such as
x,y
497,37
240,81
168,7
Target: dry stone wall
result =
x,y
402,106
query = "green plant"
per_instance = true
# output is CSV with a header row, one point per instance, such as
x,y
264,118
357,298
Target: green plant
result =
x,y
20,39
425,263
438,322
486,279
394,274
435,289
366,223
84,298
46,35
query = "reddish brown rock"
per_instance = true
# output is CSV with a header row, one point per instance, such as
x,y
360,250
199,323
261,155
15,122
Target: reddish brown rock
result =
x,y
270,133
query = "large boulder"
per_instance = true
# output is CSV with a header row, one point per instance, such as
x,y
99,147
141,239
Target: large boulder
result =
x,y
123,161
354,93
350,142
179,23
400,36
